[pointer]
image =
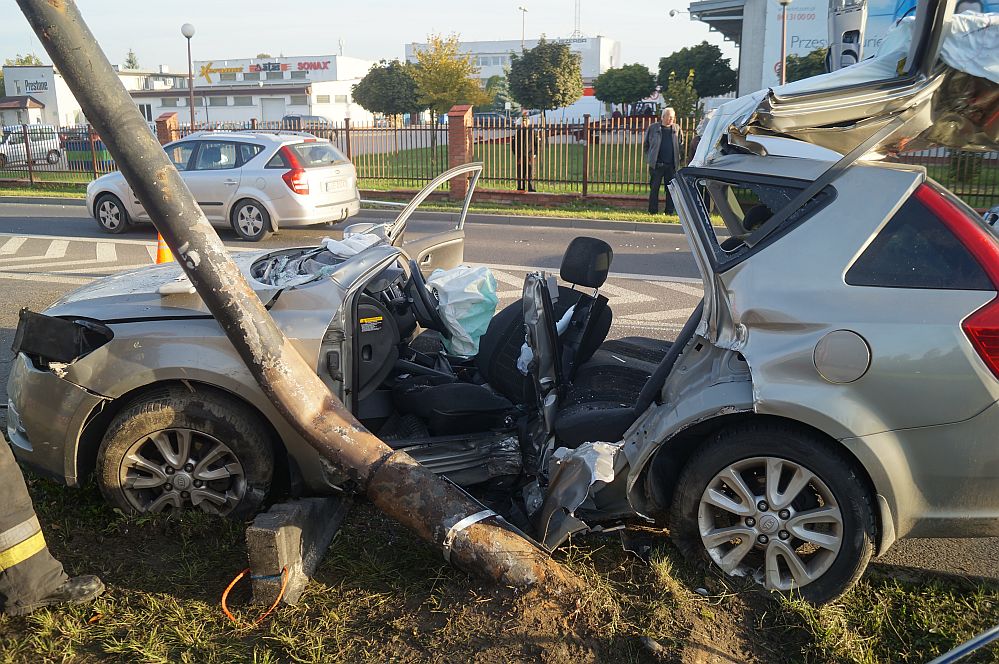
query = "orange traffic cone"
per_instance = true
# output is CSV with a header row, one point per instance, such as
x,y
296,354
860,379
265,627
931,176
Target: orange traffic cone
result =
x,y
163,253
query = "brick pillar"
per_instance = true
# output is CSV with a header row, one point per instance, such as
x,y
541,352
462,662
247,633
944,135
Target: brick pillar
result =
x,y
167,127
459,146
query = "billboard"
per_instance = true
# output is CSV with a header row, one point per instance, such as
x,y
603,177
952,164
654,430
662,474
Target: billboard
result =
x,y
808,27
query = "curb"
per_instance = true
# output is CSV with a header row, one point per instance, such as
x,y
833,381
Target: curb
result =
x,y
43,200
477,218
547,222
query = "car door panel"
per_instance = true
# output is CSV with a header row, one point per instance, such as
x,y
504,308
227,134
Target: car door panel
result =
x,y
214,177
442,251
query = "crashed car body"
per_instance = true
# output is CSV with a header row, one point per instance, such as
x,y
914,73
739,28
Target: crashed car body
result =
x,y
835,390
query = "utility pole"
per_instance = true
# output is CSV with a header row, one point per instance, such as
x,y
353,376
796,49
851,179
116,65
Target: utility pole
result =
x,y
469,535
523,25
188,31
784,4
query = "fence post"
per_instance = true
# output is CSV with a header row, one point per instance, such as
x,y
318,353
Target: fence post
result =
x,y
253,123
166,127
586,153
93,150
459,146
27,154
346,139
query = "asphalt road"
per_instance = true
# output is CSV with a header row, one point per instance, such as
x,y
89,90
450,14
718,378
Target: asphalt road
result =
x,y
47,250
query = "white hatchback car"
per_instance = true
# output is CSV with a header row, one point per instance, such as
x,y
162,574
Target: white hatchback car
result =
x,y
254,181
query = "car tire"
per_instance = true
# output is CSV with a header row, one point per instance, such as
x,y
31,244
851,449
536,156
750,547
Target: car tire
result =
x,y
178,449
251,221
712,526
52,157
111,215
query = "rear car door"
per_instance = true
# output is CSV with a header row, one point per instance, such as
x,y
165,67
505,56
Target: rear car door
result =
x,y
181,155
214,176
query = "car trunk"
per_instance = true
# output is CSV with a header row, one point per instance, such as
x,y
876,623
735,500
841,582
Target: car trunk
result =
x,y
330,176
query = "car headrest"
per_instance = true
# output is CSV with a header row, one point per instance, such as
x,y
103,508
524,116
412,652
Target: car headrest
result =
x,y
756,217
586,262
213,155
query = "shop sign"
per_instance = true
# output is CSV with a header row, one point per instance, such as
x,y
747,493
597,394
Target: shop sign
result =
x,y
207,70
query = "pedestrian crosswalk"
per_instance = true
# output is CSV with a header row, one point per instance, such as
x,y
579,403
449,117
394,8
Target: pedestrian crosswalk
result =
x,y
639,302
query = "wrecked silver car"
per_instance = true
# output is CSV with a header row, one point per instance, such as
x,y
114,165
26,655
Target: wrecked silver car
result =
x,y
836,389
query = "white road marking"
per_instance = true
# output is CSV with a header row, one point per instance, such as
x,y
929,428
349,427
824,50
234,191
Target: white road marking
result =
x,y
48,278
151,249
57,249
106,252
12,245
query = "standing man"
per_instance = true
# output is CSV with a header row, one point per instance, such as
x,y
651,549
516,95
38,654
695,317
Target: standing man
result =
x,y
663,148
525,145
30,578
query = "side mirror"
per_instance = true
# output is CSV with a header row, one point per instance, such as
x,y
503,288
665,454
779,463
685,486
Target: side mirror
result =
x,y
991,216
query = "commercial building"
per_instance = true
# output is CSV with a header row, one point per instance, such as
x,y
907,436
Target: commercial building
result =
x,y
755,26
238,91
493,58
38,94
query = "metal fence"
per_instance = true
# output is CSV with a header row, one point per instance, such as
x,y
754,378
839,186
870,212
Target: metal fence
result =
x,y
592,157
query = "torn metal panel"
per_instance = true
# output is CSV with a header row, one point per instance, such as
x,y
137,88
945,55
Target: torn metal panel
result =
x,y
575,477
57,341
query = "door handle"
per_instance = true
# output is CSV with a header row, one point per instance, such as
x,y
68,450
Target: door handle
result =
x,y
231,182
426,259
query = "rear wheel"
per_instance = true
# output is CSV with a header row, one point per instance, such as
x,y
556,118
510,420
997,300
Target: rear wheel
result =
x,y
251,221
52,157
774,503
178,449
111,214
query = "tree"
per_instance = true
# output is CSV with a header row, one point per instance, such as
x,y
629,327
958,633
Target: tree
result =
x,y
715,75
131,60
810,65
445,77
263,56
682,96
624,85
498,87
545,77
387,88
28,60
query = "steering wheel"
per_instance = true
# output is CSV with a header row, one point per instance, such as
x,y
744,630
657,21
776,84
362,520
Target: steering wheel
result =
x,y
424,302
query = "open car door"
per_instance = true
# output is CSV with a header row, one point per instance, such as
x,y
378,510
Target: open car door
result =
x,y
442,250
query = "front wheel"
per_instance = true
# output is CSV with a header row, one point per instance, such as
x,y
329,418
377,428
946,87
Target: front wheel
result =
x,y
251,221
774,503
52,157
111,214
177,450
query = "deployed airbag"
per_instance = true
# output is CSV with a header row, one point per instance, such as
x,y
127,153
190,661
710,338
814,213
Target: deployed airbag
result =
x,y
467,297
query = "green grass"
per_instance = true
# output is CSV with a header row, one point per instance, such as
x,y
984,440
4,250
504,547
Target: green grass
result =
x,y
381,595
55,190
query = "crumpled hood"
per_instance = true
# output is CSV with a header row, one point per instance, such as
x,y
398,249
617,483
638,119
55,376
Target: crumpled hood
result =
x,y
134,295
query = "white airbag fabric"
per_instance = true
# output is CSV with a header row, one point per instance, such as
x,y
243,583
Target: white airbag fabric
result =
x,y
468,301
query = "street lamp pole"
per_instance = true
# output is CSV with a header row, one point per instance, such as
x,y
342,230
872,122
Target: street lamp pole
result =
x,y
784,4
523,25
188,31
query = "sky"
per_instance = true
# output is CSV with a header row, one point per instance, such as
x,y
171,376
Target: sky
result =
x,y
370,29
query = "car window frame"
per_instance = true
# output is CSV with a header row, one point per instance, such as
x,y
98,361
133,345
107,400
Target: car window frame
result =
x,y
719,259
194,151
239,155
201,145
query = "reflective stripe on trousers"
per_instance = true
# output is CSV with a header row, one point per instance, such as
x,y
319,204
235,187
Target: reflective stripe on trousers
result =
x,y
28,572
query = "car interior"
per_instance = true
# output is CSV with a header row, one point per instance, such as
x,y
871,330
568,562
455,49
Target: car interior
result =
x,y
410,391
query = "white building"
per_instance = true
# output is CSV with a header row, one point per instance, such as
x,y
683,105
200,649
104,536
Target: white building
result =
x,y
597,55
238,91
38,94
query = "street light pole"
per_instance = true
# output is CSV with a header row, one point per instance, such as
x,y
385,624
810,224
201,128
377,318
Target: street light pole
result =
x,y
784,4
188,31
523,25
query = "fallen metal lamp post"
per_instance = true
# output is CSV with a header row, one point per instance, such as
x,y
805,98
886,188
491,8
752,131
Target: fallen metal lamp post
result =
x,y
470,537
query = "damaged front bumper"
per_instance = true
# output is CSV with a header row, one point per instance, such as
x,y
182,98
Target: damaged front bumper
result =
x,y
46,415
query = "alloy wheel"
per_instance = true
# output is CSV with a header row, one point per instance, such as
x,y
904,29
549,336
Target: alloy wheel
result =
x,y
181,468
771,519
250,220
109,215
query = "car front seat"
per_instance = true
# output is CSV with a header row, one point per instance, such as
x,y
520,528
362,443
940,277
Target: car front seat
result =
x,y
607,422
585,264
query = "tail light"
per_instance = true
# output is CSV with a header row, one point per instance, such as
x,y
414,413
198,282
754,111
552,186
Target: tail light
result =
x,y
981,327
296,179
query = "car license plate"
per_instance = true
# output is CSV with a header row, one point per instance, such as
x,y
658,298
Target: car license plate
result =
x,y
335,185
